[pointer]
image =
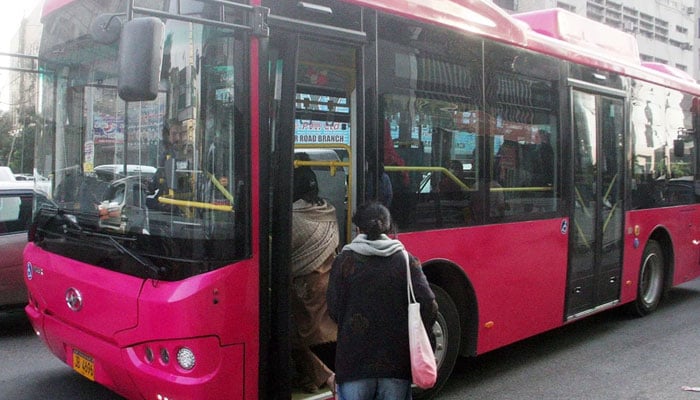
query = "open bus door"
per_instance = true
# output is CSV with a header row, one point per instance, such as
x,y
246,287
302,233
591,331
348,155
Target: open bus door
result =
x,y
314,85
595,260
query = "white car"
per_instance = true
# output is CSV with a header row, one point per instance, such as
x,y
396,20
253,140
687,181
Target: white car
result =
x,y
6,175
15,216
110,172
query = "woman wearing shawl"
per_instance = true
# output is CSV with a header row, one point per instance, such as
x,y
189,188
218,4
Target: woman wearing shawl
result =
x,y
314,244
367,297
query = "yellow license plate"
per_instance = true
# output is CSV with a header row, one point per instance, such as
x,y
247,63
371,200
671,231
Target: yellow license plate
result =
x,y
84,365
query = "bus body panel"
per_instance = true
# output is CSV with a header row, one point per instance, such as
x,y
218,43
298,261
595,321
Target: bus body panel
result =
x,y
215,302
54,278
680,222
222,376
170,315
515,303
519,282
124,371
62,339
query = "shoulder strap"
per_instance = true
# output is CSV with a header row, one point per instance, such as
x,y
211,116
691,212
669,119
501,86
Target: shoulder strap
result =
x,y
409,284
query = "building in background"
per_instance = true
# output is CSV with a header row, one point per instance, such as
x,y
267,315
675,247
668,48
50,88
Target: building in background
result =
x,y
20,91
666,30
23,85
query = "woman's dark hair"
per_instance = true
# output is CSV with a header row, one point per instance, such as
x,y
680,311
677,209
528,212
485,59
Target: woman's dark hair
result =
x,y
373,219
306,185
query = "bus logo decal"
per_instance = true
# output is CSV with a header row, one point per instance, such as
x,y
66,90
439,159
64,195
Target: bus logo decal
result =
x,y
564,227
74,299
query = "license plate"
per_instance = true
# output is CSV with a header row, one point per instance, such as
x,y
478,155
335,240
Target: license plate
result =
x,y
84,365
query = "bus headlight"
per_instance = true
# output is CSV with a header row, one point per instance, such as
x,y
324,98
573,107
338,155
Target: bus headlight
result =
x,y
185,358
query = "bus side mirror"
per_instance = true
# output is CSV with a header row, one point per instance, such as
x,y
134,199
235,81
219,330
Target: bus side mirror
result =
x,y
140,58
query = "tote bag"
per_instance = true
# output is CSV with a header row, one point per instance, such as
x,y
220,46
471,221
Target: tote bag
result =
x,y
423,366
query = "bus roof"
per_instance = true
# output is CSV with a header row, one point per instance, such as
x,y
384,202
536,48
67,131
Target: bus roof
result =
x,y
578,30
567,46
477,16
556,32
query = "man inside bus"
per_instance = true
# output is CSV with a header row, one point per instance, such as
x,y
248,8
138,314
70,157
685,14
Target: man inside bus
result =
x,y
315,238
168,151
448,187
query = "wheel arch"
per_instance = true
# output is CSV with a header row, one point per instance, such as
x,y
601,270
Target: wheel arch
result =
x,y
452,279
662,236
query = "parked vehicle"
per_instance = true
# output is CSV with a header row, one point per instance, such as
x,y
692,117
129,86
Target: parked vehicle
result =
x,y
6,174
15,215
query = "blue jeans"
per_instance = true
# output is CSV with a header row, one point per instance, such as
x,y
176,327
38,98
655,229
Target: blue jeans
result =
x,y
375,389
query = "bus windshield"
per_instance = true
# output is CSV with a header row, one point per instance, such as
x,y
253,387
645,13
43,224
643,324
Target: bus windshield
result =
x,y
161,183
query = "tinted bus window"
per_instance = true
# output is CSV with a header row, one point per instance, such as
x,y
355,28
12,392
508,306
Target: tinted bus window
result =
x,y
663,147
523,135
431,112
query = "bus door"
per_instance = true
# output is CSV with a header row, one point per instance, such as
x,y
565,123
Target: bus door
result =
x,y
595,257
313,66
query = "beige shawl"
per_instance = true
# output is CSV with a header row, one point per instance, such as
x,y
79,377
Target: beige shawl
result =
x,y
314,236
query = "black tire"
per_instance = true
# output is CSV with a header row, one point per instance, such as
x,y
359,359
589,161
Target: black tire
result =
x,y
448,332
650,288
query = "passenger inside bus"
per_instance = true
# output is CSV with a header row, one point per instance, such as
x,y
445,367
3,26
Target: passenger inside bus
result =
x,y
315,238
168,150
449,188
491,203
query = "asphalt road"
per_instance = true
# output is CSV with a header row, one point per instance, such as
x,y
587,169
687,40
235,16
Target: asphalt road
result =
x,y
605,357
608,356
31,372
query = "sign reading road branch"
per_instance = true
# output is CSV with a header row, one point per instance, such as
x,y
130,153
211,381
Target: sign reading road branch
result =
x,y
319,132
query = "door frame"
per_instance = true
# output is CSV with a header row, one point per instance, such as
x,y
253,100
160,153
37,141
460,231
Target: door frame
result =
x,y
277,166
599,272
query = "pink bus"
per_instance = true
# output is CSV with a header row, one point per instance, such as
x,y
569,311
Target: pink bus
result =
x,y
540,171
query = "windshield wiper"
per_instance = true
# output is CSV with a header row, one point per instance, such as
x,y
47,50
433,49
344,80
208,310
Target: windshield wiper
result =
x,y
145,262
156,271
52,212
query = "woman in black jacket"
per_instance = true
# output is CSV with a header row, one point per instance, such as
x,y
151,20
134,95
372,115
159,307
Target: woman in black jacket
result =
x,y
367,297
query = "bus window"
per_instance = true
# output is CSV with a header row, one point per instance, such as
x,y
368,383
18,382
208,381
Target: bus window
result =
x,y
171,169
524,134
431,114
660,117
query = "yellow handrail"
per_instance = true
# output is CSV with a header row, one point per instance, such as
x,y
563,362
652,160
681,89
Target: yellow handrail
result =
x,y
464,186
194,204
443,170
171,200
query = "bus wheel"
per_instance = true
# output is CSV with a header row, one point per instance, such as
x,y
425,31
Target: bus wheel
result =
x,y
651,280
447,333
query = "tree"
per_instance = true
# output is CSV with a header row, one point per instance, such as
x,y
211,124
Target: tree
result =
x,y
17,142
6,138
